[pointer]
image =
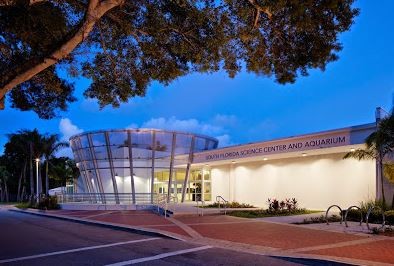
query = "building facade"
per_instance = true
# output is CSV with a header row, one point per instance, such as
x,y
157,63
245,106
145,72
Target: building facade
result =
x,y
189,167
124,166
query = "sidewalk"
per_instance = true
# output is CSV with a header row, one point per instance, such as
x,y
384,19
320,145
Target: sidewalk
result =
x,y
257,236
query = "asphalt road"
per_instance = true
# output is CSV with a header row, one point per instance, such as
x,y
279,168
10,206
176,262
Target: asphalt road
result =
x,y
32,240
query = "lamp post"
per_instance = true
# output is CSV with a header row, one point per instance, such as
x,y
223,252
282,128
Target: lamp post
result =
x,y
37,161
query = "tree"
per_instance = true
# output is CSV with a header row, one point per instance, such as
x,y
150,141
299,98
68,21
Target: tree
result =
x,y
379,146
21,149
123,45
24,146
63,170
50,147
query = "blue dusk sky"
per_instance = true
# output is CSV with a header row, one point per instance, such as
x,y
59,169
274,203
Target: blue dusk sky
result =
x,y
250,108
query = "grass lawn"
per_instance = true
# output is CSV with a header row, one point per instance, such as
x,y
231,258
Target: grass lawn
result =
x,y
266,213
8,203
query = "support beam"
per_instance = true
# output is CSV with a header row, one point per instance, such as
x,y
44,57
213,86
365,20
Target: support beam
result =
x,y
190,160
111,165
153,165
171,166
130,146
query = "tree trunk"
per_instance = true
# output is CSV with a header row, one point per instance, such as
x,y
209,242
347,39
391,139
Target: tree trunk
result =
x,y
19,197
18,194
46,178
7,199
31,168
1,191
382,180
96,9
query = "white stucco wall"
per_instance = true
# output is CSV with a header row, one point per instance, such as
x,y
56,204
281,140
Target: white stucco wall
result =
x,y
315,181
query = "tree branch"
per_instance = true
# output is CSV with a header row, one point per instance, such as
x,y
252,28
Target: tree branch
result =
x,y
16,2
259,9
94,12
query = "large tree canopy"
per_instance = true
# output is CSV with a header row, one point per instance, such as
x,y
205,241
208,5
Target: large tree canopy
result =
x,y
123,45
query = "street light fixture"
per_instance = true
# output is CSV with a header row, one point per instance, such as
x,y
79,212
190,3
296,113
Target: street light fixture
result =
x,y
37,161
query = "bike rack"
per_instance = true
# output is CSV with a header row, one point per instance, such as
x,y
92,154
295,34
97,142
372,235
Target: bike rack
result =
x,y
354,207
329,210
369,212
344,218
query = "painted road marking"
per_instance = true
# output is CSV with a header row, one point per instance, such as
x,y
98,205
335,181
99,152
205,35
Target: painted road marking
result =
x,y
160,256
77,250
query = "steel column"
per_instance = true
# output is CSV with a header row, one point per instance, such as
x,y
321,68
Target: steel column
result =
x,y
131,165
189,162
153,164
111,165
171,166
98,177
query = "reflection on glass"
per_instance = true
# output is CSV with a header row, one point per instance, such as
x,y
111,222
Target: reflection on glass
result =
x,y
167,151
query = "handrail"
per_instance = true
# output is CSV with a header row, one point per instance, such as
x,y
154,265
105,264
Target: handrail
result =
x,y
347,211
202,207
174,201
369,212
220,198
96,198
162,203
328,211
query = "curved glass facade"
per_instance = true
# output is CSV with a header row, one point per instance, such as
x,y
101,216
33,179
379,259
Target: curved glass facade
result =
x,y
138,161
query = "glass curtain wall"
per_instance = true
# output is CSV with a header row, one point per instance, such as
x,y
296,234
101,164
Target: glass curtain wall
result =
x,y
130,166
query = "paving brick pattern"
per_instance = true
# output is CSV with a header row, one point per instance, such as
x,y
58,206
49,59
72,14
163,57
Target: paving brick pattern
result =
x,y
272,235
380,251
282,237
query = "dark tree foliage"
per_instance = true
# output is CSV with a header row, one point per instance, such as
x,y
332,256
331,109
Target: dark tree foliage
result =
x,y
124,47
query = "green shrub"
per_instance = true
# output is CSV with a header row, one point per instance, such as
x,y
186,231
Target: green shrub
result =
x,y
267,213
389,217
321,219
48,203
23,205
233,204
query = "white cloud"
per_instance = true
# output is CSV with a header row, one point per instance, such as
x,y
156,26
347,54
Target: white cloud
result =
x,y
68,129
131,126
225,141
189,125
215,129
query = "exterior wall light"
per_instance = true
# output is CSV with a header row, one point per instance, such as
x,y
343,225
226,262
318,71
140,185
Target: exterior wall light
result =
x,y
352,150
265,159
304,154
233,162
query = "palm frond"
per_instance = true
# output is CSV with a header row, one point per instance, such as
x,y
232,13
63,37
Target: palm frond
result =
x,y
361,154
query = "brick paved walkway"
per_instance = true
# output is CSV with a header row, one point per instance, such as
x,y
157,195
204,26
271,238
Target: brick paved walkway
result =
x,y
256,235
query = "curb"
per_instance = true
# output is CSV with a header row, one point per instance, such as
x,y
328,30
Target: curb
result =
x,y
127,228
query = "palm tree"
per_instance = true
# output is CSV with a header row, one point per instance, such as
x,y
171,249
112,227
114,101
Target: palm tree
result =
x,y
378,146
27,144
50,146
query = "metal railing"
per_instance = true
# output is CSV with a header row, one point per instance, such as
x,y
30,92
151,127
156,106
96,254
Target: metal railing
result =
x,y
161,202
220,199
340,209
105,198
353,207
200,210
369,213
166,203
